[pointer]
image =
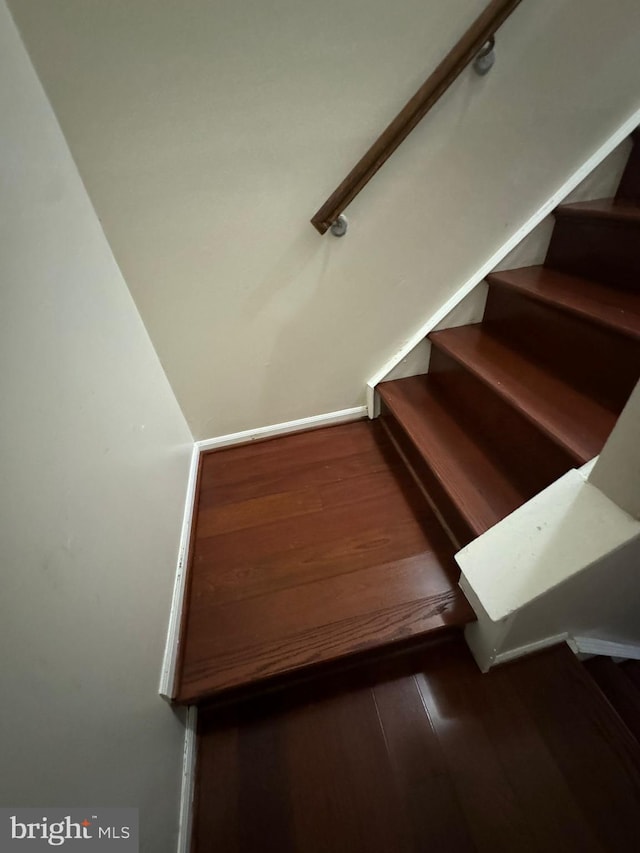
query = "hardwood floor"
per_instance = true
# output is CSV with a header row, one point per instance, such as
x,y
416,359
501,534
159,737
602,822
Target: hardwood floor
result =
x,y
424,754
307,549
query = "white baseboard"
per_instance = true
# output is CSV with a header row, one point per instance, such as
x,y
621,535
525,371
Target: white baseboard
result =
x,y
328,419
529,648
544,210
168,674
594,646
188,780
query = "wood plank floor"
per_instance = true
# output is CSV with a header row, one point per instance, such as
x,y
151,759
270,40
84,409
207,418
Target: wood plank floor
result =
x,y
430,756
308,549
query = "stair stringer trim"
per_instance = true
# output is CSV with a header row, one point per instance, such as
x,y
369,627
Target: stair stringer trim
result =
x,y
591,163
606,648
486,660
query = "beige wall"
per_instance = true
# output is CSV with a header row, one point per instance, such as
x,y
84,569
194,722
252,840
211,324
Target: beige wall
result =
x,y
209,131
94,457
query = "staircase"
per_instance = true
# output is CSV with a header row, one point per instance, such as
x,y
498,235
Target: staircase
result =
x,y
512,403
340,708
312,550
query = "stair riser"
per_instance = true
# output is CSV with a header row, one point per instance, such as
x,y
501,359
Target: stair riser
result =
x,y
629,189
501,427
448,510
603,250
620,690
614,310
603,364
632,671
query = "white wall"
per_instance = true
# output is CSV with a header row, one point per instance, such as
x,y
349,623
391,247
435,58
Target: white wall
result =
x,y
209,131
602,602
94,456
617,471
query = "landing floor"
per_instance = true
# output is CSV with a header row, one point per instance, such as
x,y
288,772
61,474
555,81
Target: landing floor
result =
x,y
438,757
307,549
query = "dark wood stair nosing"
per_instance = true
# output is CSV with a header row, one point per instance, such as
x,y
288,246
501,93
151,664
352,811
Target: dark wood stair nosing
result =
x,y
390,650
610,210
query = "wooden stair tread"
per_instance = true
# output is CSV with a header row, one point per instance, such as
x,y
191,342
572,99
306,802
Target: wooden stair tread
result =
x,y
614,309
571,418
480,489
606,208
619,689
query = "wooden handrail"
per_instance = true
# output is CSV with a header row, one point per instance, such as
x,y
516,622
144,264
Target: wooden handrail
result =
x,y
427,95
